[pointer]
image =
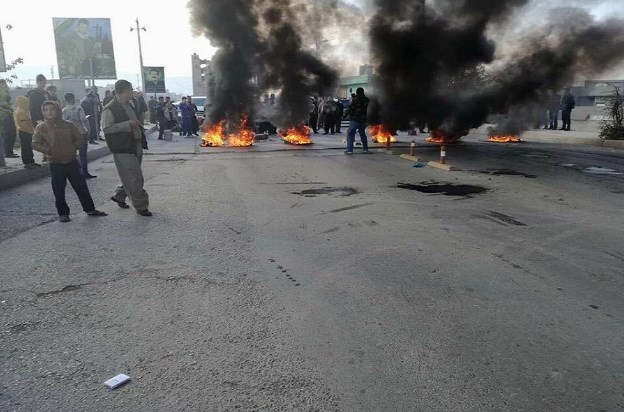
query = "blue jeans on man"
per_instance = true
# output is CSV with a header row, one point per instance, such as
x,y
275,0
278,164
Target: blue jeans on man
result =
x,y
353,128
186,126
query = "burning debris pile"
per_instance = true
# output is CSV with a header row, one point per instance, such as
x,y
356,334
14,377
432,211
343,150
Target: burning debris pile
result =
x,y
442,64
216,136
380,134
299,136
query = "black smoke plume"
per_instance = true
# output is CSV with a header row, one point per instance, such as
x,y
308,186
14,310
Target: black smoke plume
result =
x,y
425,57
259,47
286,65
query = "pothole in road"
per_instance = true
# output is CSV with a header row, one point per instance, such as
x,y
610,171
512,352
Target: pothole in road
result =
x,y
506,172
446,189
331,191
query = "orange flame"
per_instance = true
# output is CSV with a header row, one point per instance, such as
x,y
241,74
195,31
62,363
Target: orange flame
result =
x,y
299,135
380,134
245,136
439,137
213,135
504,139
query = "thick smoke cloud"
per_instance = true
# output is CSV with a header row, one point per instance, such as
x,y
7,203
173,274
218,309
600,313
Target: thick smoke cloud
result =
x,y
260,47
232,27
433,72
286,65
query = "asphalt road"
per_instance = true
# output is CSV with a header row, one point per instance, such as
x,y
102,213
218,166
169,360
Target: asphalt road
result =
x,y
308,280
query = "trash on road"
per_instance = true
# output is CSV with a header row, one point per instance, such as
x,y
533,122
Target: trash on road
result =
x,y
117,381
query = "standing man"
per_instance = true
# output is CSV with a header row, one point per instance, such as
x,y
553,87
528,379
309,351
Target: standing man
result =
x,y
357,121
25,130
185,111
160,118
36,98
339,115
313,115
88,104
122,131
567,105
8,129
75,114
554,105
194,121
59,140
153,104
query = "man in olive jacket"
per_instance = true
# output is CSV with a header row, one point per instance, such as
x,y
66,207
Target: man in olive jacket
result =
x,y
59,140
122,131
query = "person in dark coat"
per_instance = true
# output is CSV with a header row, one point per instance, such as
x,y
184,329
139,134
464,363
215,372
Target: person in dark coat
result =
x,y
358,111
163,124
338,116
553,111
329,110
194,121
9,130
567,105
313,116
36,97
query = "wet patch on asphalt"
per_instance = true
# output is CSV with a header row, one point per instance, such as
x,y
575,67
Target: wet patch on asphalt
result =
x,y
446,189
330,191
506,172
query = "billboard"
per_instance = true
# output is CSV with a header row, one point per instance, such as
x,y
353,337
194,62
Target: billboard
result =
x,y
84,48
154,78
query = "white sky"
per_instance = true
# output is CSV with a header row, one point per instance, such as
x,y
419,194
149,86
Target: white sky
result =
x,y
168,41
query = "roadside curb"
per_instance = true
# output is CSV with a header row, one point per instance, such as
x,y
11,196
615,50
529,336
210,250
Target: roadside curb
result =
x,y
19,176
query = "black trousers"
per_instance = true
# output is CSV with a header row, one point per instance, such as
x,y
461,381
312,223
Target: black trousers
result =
x,y
61,173
9,135
313,120
28,157
566,119
553,117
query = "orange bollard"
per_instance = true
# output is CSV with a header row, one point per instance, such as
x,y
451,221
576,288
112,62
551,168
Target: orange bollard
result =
x,y
443,155
412,148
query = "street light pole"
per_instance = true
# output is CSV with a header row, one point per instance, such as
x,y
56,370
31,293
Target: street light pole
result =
x,y
138,29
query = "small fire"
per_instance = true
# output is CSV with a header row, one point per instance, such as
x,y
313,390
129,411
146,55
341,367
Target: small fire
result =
x,y
504,139
439,137
245,136
213,135
381,134
299,135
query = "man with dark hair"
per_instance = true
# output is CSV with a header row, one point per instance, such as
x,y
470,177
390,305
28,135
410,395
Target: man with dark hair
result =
x,y
357,121
75,114
59,140
163,124
185,111
567,105
194,121
89,105
122,131
36,98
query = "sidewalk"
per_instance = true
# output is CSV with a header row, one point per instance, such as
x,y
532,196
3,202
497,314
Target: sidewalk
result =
x,y
15,174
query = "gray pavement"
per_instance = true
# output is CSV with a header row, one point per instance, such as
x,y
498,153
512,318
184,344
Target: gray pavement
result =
x,y
282,278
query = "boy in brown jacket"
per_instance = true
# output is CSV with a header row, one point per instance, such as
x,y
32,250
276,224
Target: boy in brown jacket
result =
x,y
59,140
25,130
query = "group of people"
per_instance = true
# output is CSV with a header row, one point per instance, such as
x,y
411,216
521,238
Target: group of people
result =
x,y
164,113
326,113
61,129
548,115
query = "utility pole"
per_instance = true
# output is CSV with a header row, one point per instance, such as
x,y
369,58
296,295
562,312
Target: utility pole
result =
x,y
138,29
2,59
